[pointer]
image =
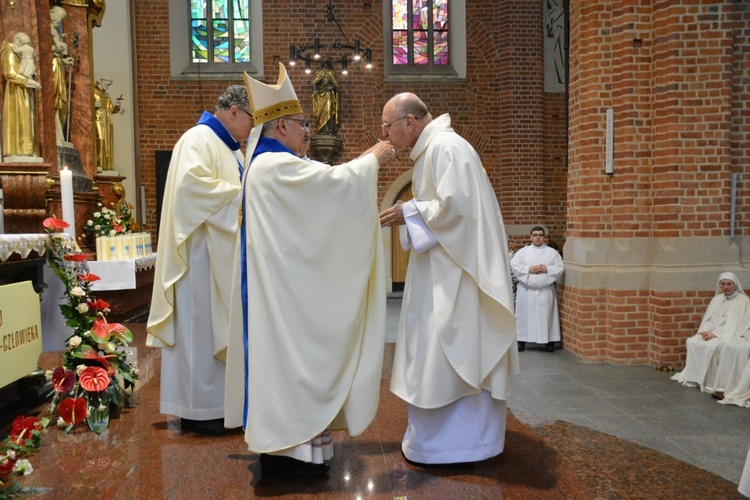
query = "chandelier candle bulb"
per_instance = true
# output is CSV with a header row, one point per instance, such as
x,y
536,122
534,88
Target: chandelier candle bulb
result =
x,y
66,195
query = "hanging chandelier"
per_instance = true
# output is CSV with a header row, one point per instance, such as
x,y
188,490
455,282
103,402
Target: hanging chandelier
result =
x,y
339,52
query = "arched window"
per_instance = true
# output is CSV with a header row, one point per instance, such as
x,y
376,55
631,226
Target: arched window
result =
x,y
215,37
425,38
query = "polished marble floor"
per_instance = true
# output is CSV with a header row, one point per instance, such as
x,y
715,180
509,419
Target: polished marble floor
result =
x,y
575,430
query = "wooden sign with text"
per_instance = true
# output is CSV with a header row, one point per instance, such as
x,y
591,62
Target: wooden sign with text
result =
x,y
20,331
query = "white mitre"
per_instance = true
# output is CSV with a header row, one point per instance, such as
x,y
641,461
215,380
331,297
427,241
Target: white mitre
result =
x,y
268,102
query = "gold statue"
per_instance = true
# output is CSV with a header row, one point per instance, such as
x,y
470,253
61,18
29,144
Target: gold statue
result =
x,y
20,126
325,101
59,63
105,131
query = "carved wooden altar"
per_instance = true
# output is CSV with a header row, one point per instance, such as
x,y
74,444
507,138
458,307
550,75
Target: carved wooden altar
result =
x,y
32,189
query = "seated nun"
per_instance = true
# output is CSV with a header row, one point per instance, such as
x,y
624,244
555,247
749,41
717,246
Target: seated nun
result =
x,y
726,321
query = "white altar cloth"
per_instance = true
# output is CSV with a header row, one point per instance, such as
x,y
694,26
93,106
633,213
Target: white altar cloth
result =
x,y
118,274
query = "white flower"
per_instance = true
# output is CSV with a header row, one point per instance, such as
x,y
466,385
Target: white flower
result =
x,y
83,308
89,223
61,422
97,214
80,369
12,454
101,408
77,291
101,346
87,333
110,348
107,216
97,227
24,466
112,232
74,341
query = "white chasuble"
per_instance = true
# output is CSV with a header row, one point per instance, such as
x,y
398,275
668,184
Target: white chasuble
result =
x,y
313,352
190,304
457,331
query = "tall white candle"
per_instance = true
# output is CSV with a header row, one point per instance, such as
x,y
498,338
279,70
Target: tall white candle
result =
x,y
66,193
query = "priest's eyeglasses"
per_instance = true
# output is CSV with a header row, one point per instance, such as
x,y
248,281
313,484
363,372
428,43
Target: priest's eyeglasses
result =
x,y
386,125
301,121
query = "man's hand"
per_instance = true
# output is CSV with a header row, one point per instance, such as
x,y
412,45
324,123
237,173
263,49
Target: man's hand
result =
x,y
383,151
393,216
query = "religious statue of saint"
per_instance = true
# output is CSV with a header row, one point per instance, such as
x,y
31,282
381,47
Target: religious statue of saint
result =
x,y
60,60
325,101
104,108
20,125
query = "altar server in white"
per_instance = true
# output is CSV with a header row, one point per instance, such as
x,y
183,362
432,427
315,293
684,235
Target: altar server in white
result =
x,y
726,321
196,249
537,268
306,355
456,342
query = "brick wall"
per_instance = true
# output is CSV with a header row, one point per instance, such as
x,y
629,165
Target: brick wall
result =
x,y
501,108
675,74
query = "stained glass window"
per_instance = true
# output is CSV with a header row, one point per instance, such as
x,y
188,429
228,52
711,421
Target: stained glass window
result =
x,y
420,32
220,31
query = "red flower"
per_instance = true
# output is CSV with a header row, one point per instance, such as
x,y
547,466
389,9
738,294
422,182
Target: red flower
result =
x,y
73,411
22,427
94,379
54,223
88,277
62,379
120,331
100,330
98,304
6,469
78,257
118,228
92,353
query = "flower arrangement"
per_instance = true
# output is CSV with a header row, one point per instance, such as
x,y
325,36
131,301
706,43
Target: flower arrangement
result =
x,y
108,222
96,371
25,437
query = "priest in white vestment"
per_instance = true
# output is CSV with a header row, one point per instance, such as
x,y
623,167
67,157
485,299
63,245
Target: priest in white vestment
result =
x,y
456,343
537,268
726,321
307,354
193,276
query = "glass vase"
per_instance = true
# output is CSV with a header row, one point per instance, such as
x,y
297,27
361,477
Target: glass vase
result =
x,y
98,418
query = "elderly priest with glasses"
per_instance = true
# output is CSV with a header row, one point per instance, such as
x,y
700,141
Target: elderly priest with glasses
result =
x,y
307,352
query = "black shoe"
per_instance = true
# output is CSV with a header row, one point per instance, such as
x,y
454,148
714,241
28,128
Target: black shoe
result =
x,y
453,465
213,427
290,468
550,347
521,346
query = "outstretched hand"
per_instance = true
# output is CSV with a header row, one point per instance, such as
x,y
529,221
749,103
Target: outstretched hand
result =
x,y
383,151
393,216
